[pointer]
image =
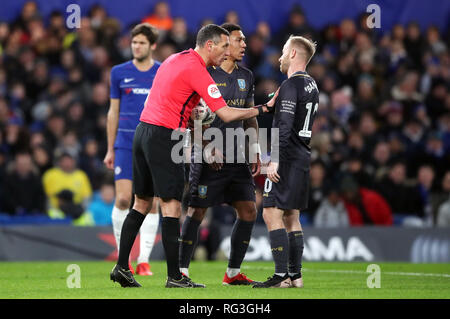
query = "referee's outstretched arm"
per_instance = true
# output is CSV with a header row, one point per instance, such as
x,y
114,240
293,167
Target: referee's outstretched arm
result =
x,y
229,114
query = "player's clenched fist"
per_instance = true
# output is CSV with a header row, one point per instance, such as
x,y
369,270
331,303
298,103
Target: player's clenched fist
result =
x,y
109,160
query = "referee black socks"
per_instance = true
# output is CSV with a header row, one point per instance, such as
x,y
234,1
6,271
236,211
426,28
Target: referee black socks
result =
x,y
130,228
170,229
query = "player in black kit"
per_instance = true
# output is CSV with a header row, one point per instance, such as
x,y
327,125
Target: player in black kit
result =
x,y
226,181
287,183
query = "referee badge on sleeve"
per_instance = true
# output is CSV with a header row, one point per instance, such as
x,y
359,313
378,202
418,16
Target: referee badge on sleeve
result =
x,y
202,190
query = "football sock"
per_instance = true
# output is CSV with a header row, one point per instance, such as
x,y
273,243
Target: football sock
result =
x,y
240,239
189,238
295,251
170,229
148,232
130,228
279,246
118,216
185,271
231,272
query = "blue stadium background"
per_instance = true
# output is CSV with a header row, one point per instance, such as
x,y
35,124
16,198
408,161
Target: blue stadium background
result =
x,y
319,12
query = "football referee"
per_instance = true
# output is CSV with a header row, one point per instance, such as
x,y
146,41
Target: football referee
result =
x,y
180,82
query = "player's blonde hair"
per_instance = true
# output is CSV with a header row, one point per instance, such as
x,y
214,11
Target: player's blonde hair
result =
x,y
307,45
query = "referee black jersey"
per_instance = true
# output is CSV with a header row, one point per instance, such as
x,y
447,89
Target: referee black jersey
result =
x,y
295,109
237,89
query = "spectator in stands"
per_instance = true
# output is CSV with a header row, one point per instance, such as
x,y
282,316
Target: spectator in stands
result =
x,y
434,42
443,216
317,175
76,120
297,25
269,68
100,101
231,17
54,129
347,33
67,208
438,198
97,15
355,167
378,166
368,128
331,211
29,10
434,153
414,44
263,29
425,178
414,136
16,135
91,163
70,143
437,95
160,18
22,191
255,51
365,98
364,206
391,116
66,176
406,92
396,146
102,205
403,199
179,36
42,158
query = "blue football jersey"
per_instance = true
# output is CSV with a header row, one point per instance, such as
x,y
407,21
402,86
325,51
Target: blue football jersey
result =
x,y
131,86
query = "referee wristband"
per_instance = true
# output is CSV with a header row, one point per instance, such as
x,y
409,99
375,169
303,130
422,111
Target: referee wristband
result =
x,y
260,109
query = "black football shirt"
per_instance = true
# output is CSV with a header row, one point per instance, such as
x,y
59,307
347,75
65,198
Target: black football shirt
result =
x,y
237,89
295,110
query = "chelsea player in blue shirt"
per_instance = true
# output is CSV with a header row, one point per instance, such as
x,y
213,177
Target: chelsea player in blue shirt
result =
x,y
130,84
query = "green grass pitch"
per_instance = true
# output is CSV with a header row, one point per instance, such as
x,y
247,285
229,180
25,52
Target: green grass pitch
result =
x,y
323,280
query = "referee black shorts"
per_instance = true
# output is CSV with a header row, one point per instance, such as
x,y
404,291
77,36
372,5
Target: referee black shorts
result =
x,y
292,191
154,171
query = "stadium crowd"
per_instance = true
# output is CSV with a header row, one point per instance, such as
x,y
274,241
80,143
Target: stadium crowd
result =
x,y
381,138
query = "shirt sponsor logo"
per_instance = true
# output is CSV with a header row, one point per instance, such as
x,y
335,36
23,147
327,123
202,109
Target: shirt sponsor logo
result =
x,y
137,91
213,91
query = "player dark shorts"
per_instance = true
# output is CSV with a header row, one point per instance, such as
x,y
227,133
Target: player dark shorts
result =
x,y
207,187
154,171
292,191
